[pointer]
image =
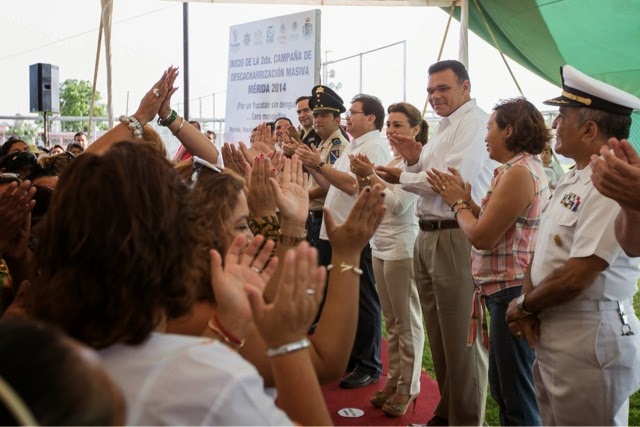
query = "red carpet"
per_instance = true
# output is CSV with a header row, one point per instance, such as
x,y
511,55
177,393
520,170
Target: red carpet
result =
x,y
338,398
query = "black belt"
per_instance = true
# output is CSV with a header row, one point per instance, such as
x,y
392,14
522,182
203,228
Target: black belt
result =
x,y
316,214
437,225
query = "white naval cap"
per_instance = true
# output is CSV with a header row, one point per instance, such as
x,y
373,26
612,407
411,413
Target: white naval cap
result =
x,y
580,90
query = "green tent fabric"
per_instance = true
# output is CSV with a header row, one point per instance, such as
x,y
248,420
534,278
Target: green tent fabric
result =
x,y
599,37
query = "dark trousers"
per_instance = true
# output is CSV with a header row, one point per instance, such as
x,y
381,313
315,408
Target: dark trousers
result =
x,y
365,356
510,365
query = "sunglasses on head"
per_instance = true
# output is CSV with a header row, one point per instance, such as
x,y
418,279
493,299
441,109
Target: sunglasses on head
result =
x,y
196,169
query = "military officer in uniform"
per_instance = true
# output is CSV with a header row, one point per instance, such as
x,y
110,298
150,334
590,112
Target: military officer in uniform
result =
x,y
327,107
576,302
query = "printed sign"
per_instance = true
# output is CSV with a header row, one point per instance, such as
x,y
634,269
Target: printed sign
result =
x,y
271,63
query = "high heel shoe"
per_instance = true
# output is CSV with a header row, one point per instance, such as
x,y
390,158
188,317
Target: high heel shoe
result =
x,y
380,398
396,409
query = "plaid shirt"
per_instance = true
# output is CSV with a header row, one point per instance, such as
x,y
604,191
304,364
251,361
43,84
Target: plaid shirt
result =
x,y
504,265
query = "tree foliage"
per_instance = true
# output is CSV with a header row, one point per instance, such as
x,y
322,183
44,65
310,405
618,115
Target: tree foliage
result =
x,y
26,130
75,100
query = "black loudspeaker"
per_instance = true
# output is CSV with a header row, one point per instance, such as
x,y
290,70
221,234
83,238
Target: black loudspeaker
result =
x,y
44,94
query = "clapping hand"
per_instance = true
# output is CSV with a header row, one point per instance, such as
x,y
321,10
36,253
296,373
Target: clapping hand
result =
x,y
288,317
165,108
234,160
310,156
153,99
16,204
290,141
361,165
261,199
389,174
247,269
291,193
450,186
363,220
407,147
616,173
263,143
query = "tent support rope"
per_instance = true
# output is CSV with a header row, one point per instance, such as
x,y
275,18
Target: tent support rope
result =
x,y
95,80
444,39
495,42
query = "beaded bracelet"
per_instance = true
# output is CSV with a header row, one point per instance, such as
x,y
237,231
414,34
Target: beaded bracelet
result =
x,y
133,124
167,122
292,240
288,348
215,326
346,267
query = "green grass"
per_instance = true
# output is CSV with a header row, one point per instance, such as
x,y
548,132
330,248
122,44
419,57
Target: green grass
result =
x,y
492,416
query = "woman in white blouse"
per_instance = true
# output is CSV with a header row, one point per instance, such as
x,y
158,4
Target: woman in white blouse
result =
x,y
392,252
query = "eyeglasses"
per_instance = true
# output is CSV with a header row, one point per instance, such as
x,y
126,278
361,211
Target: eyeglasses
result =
x,y
198,164
350,113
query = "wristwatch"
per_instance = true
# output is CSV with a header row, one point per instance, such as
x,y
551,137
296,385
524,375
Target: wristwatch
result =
x,y
319,167
520,305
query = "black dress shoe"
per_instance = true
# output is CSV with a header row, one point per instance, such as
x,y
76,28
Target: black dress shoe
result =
x,y
357,379
438,421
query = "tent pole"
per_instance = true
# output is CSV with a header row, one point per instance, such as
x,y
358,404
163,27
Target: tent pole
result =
x,y
185,51
95,80
463,49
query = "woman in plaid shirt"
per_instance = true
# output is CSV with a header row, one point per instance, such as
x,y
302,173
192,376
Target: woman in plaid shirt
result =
x,y
503,231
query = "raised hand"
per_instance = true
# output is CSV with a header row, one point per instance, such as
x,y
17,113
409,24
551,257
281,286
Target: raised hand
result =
x,y
407,147
291,193
16,204
246,269
363,220
288,317
290,141
261,199
153,99
263,143
165,108
234,160
277,160
450,187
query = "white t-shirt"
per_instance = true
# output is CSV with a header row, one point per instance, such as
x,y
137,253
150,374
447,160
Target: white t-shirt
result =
x,y
182,380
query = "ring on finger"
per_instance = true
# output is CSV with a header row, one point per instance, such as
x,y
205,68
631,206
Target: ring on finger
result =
x,y
156,92
311,292
443,187
256,269
519,333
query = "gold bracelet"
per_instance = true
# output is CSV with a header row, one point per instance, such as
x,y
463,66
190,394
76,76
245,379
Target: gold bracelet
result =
x,y
459,202
179,127
292,240
455,214
346,267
